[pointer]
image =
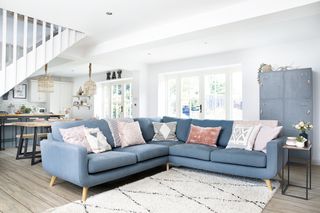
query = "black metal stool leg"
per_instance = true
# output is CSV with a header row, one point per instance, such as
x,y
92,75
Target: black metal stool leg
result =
x,y
20,144
34,146
25,146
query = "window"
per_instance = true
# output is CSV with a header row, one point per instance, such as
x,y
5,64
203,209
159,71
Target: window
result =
x,y
113,99
210,94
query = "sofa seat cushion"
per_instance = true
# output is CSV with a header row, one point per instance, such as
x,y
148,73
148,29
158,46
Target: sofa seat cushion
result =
x,y
166,143
197,151
145,151
109,160
239,157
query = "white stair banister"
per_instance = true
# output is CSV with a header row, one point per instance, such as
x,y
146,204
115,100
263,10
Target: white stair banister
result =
x,y
28,54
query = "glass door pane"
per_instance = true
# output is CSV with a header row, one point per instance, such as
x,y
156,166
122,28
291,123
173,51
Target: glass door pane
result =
x,y
172,98
116,101
127,105
215,96
190,97
236,91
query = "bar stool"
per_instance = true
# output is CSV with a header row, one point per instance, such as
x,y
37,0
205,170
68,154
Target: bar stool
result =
x,y
23,142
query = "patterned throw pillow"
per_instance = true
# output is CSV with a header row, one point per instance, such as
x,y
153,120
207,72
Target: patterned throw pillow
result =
x,y
97,141
164,131
130,134
243,137
113,125
204,135
76,135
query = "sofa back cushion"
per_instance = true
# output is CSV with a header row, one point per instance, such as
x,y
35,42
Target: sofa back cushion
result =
x,y
146,127
183,127
92,123
225,132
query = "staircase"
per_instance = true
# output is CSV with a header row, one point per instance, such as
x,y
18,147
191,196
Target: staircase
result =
x,y
27,44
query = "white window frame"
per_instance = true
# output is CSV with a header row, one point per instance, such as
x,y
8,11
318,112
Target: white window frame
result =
x,y
102,100
200,73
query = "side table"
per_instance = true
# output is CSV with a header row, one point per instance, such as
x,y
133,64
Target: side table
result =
x,y
307,162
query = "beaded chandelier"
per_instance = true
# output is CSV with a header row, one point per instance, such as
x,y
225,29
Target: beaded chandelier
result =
x,y
45,82
90,86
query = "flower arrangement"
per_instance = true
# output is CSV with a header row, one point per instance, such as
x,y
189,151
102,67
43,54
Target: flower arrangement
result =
x,y
303,126
300,139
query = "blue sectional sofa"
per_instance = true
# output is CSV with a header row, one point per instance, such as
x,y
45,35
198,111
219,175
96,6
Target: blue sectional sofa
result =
x,y
72,163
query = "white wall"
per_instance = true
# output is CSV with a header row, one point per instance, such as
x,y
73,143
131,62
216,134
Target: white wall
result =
x,y
300,54
138,92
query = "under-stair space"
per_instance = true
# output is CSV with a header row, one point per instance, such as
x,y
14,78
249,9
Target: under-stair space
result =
x,y
27,44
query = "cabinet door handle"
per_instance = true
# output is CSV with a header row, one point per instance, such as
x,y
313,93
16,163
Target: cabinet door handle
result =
x,y
260,111
308,112
200,108
309,82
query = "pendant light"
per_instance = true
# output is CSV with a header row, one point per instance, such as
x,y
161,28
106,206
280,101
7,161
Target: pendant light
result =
x,y
45,82
90,86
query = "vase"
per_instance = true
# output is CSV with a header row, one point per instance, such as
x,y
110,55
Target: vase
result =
x,y
304,134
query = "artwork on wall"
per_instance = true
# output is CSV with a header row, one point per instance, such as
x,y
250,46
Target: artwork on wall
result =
x,y
117,74
20,91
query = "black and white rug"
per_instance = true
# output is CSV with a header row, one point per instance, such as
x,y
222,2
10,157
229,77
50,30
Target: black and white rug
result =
x,y
180,190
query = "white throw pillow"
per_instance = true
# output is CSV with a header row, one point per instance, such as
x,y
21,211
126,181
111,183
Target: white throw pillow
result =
x,y
113,125
97,141
164,131
265,135
130,134
243,137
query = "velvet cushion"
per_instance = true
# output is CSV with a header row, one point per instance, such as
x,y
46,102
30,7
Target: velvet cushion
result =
x,y
109,160
196,151
203,135
239,157
130,133
146,151
76,135
225,132
265,135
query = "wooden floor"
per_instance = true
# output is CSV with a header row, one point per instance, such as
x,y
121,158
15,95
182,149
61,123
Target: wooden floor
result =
x,y
25,188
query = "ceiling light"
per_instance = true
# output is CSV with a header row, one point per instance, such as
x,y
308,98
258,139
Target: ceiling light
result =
x,y
109,13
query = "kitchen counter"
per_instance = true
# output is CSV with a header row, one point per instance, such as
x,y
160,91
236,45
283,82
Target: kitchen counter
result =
x,y
30,115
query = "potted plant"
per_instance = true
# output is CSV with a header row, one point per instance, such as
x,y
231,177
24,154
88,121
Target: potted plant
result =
x,y
303,128
300,141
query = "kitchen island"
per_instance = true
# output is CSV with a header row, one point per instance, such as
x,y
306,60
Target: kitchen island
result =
x,y
4,118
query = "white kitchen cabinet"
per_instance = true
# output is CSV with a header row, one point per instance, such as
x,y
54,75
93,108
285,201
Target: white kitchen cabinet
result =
x,y
61,98
34,95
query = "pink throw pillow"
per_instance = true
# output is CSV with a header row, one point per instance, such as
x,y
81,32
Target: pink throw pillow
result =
x,y
265,135
76,135
204,135
130,134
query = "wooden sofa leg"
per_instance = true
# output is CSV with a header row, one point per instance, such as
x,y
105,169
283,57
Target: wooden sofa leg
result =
x,y
168,166
53,179
84,193
269,184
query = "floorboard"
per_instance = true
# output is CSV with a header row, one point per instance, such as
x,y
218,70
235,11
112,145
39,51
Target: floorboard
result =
x,y
25,188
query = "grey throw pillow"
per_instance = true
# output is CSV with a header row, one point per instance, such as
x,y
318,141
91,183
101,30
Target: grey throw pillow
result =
x,y
165,131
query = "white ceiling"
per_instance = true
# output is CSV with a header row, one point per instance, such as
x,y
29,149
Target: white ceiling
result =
x,y
128,16
151,31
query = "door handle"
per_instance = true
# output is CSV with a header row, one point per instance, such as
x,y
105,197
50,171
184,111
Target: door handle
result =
x,y
200,107
121,108
308,112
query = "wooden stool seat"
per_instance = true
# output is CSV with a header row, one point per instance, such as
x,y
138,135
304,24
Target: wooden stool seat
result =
x,y
30,136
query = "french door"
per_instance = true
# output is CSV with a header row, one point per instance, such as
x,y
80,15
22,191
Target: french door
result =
x,y
206,95
121,100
